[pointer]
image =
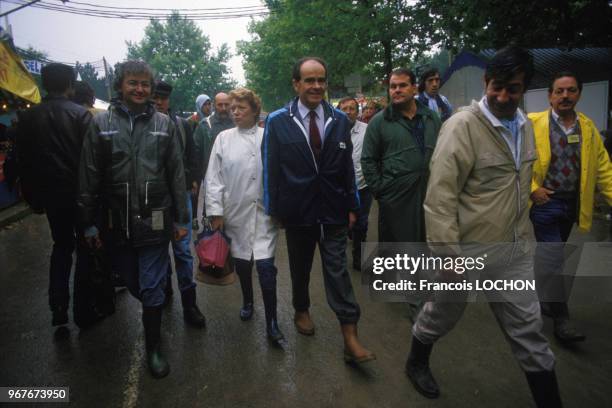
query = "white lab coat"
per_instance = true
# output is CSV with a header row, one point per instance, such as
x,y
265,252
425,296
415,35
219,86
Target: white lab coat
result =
x,y
234,190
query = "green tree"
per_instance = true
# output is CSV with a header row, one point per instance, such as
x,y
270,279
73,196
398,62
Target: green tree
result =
x,y
481,24
89,74
181,55
368,37
32,53
440,60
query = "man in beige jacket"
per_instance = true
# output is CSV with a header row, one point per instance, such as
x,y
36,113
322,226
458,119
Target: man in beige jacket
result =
x,y
478,192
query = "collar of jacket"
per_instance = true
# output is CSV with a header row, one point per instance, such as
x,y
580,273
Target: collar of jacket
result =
x,y
395,115
55,98
121,107
173,117
294,111
215,118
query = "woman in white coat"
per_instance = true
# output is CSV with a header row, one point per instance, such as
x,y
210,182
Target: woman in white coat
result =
x,y
234,200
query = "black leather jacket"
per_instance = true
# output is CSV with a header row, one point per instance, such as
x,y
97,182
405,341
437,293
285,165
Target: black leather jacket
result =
x,y
49,140
132,168
184,131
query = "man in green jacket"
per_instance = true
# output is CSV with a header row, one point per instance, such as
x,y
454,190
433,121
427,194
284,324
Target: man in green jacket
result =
x,y
397,148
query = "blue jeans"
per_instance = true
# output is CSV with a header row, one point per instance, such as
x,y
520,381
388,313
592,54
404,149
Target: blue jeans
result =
x,y
183,260
552,225
144,271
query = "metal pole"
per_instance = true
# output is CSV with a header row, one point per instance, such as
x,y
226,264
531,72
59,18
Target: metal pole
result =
x,y
107,79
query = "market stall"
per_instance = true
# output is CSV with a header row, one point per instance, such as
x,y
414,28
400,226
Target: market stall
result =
x,y
18,91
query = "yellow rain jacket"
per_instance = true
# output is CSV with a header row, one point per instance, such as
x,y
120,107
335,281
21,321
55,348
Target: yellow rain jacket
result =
x,y
595,166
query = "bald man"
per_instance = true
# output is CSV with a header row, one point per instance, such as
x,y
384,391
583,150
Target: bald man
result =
x,y
221,119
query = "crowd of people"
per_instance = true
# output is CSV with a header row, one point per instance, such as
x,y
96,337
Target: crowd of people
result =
x,y
126,181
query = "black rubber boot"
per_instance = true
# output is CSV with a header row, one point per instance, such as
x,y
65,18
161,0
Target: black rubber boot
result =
x,y
544,388
60,316
246,284
272,330
191,312
417,369
151,319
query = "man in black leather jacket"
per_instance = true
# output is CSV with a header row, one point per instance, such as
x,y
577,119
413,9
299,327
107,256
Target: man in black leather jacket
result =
x,y
49,142
132,168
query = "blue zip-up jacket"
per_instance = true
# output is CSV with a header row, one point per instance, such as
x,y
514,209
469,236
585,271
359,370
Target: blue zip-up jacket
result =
x,y
297,190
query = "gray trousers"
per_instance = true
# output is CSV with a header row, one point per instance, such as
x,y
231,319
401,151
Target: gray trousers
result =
x,y
301,244
521,323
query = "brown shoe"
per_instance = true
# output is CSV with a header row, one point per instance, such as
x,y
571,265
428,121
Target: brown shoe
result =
x,y
349,358
354,352
303,323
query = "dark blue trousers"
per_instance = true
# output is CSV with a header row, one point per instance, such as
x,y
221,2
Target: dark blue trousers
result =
x,y
144,270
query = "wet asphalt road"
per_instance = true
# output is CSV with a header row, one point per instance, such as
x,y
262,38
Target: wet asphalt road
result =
x,y
231,364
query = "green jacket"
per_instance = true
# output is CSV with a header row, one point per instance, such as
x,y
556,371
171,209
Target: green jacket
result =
x,y
396,170
203,145
204,137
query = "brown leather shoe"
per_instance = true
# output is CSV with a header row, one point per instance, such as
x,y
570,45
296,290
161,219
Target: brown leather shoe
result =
x,y
350,358
354,352
303,323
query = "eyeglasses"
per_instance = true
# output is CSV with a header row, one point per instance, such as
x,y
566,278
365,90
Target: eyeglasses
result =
x,y
312,80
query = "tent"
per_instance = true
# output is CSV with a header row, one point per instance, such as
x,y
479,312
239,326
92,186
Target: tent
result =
x,y
14,77
17,90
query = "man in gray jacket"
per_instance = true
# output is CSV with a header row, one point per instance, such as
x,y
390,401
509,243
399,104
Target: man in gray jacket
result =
x,y
132,195
478,192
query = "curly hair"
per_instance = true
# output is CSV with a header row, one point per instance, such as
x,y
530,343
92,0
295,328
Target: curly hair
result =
x,y
244,94
132,67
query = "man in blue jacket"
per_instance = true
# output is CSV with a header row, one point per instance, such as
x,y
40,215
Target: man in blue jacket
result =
x,y
309,187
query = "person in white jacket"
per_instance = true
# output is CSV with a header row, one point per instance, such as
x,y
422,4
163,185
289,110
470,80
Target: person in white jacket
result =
x,y
234,201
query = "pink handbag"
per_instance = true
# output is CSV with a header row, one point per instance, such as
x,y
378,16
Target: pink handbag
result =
x,y
213,250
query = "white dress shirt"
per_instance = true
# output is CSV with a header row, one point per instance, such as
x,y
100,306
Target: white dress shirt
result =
x,y
305,114
357,135
568,131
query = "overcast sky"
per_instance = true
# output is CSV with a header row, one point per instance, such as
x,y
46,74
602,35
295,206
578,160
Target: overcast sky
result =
x,y
69,38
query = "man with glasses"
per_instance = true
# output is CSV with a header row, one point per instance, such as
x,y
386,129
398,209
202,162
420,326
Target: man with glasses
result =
x,y
309,187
